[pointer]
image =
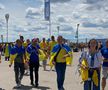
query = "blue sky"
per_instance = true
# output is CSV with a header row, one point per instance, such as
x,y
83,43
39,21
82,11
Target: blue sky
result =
x,y
27,18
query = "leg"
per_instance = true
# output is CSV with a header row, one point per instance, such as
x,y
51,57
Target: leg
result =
x,y
44,64
5,58
16,70
94,86
104,73
103,83
31,72
59,78
8,58
63,68
87,85
36,74
21,71
27,68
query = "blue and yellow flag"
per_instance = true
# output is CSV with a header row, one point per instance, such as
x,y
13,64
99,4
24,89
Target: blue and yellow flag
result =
x,y
85,73
12,55
15,51
56,49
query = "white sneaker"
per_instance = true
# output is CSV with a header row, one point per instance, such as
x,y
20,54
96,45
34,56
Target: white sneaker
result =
x,y
18,85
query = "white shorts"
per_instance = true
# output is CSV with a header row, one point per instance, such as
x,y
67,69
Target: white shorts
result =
x,y
105,72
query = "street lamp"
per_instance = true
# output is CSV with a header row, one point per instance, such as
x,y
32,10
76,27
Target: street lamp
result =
x,y
2,38
58,28
77,34
7,18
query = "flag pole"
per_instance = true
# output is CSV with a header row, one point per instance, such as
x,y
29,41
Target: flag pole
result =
x,y
49,28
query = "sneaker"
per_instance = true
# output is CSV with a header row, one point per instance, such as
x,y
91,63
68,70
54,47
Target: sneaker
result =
x,y
32,83
18,85
20,82
36,85
61,88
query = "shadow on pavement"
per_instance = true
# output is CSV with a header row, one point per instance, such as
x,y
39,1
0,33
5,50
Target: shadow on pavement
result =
x,y
23,87
43,88
2,89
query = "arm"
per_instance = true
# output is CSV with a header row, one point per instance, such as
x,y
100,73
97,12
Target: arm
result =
x,y
28,53
69,52
83,56
68,55
100,57
13,55
25,60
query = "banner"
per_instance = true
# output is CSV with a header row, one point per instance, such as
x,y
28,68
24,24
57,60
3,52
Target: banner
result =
x,y
47,10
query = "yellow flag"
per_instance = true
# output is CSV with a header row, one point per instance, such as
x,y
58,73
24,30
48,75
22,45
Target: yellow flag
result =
x,y
84,72
95,78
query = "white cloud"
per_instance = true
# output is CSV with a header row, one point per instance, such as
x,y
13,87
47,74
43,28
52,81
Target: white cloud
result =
x,y
91,14
96,23
19,29
34,12
61,19
92,1
2,6
31,3
61,1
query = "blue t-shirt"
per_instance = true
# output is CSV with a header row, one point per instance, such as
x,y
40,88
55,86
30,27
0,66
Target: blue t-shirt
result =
x,y
17,50
20,51
33,51
104,52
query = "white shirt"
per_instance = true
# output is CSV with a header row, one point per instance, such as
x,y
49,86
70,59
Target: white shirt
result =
x,y
97,59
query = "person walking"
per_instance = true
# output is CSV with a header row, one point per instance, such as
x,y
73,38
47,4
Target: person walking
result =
x,y
44,48
52,43
58,58
104,52
90,63
18,57
33,57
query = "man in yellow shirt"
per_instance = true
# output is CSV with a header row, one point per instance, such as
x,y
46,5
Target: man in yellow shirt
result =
x,y
60,52
52,43
44,47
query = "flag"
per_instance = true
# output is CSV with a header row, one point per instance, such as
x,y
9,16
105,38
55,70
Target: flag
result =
x,y
47,10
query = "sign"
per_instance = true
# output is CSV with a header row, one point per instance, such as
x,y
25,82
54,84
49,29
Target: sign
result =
x,y
47,10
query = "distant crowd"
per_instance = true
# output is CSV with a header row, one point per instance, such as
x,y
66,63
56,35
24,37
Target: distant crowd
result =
x,y
26,56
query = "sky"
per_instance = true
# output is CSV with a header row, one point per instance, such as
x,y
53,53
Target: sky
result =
x,y
27,18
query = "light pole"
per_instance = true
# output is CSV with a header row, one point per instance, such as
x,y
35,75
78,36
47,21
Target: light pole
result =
x,y
7,18
2,38
77,34
58,28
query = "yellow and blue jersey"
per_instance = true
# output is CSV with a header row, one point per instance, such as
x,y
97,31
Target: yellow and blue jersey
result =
x,y
16,51
64,50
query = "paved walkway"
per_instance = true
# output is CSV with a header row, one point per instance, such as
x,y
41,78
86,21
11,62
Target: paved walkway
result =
x,y
47,79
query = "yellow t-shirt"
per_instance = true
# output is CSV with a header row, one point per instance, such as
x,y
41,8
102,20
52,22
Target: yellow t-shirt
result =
x,y
52,44
43,45
24,44
60,56
7,51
